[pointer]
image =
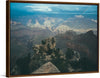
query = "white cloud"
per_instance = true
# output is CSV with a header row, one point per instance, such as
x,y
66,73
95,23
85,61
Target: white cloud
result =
x,y
72,7
94,20
48,7
79,16
58,8
39,8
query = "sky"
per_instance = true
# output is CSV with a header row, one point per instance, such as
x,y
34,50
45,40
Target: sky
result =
x,y
36,8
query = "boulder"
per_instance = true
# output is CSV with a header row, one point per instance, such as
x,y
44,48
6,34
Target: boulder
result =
x,y
47,68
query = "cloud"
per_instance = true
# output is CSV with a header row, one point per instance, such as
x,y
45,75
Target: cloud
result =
x,y
79,16
69,7
42,7
55,7
61,8
94,20
39,8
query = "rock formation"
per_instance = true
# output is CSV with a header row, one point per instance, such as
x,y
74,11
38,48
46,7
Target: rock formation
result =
x,y
47,68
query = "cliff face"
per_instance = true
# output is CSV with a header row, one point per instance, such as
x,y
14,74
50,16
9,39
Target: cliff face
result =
x,y
47,49
45,46
46,59
49,59
46,68
46,53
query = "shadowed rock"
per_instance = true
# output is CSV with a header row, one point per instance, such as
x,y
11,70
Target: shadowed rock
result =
x,y
47,68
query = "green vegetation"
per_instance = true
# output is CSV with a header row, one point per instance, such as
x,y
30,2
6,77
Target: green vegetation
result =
x,y
69,53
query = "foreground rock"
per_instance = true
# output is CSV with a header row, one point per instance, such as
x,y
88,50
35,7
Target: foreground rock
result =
x,y
47,68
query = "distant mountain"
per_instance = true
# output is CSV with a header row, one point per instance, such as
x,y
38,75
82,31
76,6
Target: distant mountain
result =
x,y
63,39
81,24
90,41
48,23
78,23
57,25
61,29
85,43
